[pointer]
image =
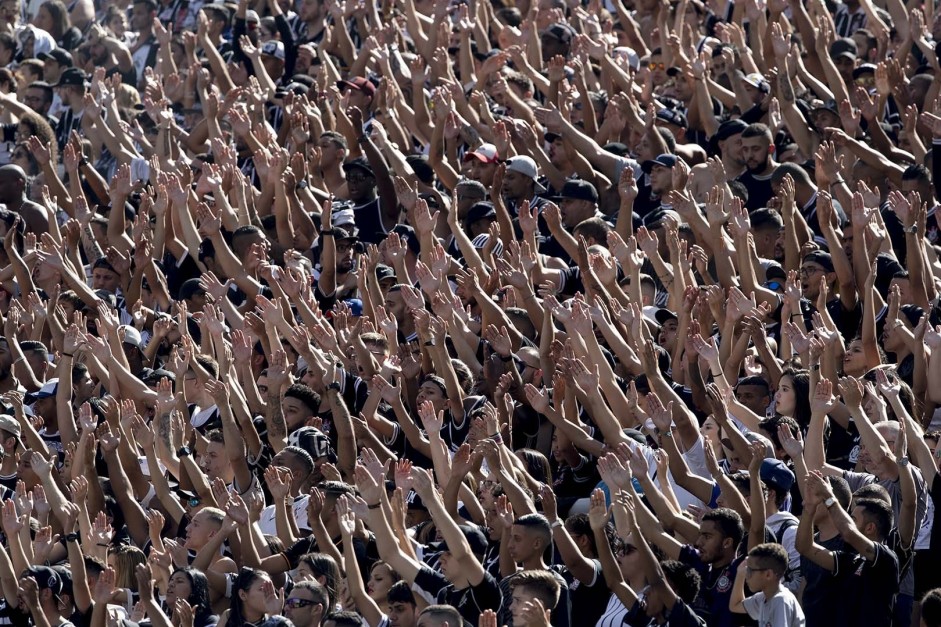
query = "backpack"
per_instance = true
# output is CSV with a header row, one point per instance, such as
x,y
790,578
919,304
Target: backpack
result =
x,y
791,574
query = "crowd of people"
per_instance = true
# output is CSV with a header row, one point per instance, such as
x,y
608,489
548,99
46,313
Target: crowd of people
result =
x,y
418,313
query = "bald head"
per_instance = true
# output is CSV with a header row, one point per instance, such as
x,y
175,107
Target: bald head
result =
x,y
12,172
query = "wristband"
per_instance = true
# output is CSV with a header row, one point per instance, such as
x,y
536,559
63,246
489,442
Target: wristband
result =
x,y
430,343
815,367
507,358
107,546
363,139
71,537
183,451
555,524
334,386
327,233
498,438
903,462
666,434
374,505
68,355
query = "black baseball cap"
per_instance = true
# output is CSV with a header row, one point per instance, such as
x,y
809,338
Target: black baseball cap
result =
x,y
72,76
59,55
359,163
577,189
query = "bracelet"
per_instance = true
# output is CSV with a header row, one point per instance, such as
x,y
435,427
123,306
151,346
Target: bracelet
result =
x,y
498,438
104,545
666,434
815,367
507,358
555,524
363,139
327,233
374,505
430,343
68,355
838,182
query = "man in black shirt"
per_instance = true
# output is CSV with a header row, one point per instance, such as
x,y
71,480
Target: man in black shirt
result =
x,y
758,153
820,585
462,583
870,573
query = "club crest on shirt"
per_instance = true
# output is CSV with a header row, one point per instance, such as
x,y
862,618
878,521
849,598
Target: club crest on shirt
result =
x,y
724,583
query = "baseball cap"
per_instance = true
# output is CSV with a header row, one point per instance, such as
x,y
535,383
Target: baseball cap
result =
x,y
342,233
59,55
413,501
527,167
71,76
475,538
756,80
843,47
662,315
481,211
384,273
132,336
666,160
251,17
360,163
46,578
359,83
153,377
818,256
312,440
730,128
672,116
561,31
273,48
864,68
776,475
10,424
578,189
408,234
483,239
485,153
49,388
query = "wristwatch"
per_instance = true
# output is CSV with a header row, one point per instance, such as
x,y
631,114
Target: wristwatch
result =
x,y
334,386
829,502
903,462
183,451
71,537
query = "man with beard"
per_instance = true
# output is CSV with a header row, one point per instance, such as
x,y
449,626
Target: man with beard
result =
x,y
111,54
758,153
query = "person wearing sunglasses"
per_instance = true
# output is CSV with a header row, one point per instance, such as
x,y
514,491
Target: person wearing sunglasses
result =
x,y
305,604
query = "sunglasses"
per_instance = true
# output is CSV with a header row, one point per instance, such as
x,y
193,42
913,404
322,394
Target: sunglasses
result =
x,y
297,603
657,66
774,286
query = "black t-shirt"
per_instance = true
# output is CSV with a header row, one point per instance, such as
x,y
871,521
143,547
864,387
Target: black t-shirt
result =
x,y
590,600
368,219
871,586
821,587
759,190
715,591
681,615
470,602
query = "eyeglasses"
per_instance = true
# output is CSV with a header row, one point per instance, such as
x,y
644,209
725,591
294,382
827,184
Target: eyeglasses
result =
x,y
296,603
808,271
750,571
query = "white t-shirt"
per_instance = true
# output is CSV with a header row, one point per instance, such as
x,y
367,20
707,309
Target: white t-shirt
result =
x,y
781,610
268,520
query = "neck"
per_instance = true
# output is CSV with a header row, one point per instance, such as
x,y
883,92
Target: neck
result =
x,y
723,561
534,563
9,464
827,529
771,589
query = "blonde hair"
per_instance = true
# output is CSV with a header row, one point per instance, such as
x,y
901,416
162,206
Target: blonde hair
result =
x,y
126,559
